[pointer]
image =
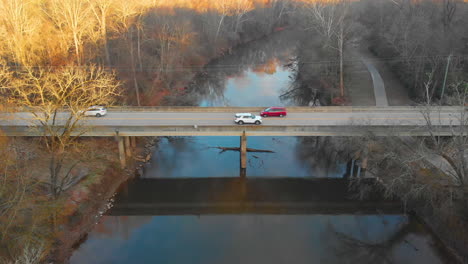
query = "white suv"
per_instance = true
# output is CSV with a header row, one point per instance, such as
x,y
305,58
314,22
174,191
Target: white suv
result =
x,y
96,111
247,118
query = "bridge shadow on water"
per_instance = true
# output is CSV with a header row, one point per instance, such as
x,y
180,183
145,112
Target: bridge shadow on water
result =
x,y
248,195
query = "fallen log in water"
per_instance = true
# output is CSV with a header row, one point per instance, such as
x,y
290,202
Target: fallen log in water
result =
x,y
248,149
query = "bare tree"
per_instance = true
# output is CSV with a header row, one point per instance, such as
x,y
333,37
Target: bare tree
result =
x,y
72,17
329,18
101,10
126,12
454,150
430,170
224,9
31,254
323,18
241,7
172,35
47,93
20,209
20,29
448,12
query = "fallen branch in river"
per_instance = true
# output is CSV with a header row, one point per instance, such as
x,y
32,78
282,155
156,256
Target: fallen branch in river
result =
x,y
248,149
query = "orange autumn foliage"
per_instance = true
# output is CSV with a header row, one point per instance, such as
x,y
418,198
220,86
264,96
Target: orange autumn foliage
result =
x,y
269,67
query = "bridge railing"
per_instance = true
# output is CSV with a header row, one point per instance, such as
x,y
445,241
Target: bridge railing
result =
x,y
324,109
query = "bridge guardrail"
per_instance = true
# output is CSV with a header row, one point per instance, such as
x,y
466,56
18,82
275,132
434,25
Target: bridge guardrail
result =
x,y
290,109
324,109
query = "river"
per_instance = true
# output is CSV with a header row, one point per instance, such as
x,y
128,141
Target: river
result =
x,y
252,76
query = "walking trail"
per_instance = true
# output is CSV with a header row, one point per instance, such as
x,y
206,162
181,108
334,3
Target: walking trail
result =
x,y
371,82
379,87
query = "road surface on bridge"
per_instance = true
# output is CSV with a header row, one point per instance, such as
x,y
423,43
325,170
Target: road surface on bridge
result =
x,y
147,120
226,119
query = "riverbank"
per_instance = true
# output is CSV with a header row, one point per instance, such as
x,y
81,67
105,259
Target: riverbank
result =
x,y
441,223
88,202
450,229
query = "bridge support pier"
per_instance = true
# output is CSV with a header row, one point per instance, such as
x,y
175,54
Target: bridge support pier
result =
x,y
357,166
133,142
120,142
365,157
243,155
128,148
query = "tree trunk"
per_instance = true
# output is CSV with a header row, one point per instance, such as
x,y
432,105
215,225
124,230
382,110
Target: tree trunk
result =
x,y
237,24
247,149
104,38
140,64
219,27
55,167
132,61
340,40
77,48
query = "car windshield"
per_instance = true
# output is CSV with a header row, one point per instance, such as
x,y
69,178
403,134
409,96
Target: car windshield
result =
x,y
267,110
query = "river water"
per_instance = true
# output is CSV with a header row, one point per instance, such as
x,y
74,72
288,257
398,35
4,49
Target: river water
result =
x,y
252,76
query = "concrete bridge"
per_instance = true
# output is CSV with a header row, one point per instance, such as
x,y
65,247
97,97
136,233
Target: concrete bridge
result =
x,y
219,121
125,123
242,195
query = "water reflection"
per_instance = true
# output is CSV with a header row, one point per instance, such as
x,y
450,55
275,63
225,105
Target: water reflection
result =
x,y
197,157
256,239
251,89
251,75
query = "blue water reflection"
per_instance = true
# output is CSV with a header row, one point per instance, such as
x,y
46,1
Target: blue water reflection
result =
x,y
251,89
256,239
199,157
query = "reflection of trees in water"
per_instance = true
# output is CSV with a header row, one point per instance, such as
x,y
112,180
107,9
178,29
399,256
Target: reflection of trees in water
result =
x,y
324,153
355,246
120,226
169,150
210,82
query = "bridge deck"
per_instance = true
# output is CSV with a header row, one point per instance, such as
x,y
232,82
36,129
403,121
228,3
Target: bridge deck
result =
x,y
218,121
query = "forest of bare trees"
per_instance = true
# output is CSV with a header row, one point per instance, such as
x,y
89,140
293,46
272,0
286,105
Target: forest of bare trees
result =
x,y
57,54
154,46
157,46
420,40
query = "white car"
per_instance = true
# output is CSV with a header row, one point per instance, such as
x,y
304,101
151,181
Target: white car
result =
x,y
247,118
95,110
237,115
